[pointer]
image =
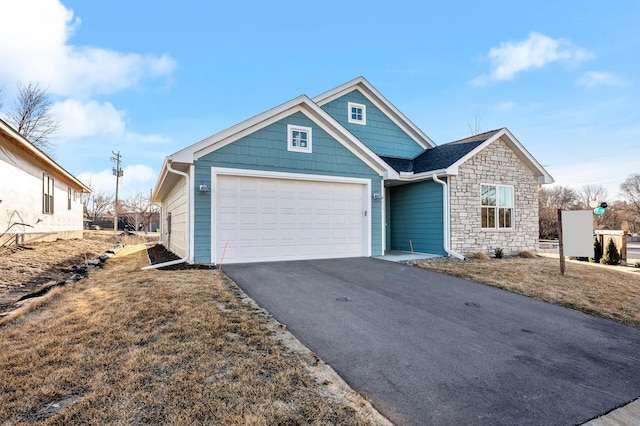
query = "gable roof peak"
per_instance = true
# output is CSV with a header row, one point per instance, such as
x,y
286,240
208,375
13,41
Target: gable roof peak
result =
x,y
375,97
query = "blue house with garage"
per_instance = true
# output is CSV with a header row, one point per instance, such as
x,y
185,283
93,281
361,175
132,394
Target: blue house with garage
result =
x,y
345,174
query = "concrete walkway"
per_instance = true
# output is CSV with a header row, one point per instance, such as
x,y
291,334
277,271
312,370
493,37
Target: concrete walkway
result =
x,y
629,415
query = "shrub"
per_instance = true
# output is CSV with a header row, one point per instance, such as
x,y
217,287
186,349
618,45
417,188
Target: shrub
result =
x,y
597,251
526,255
499,253
479,255
611,255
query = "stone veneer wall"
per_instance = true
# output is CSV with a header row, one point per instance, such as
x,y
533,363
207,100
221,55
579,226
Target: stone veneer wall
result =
x,y
496,164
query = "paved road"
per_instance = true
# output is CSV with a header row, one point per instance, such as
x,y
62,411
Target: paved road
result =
x,y
633,250
426,348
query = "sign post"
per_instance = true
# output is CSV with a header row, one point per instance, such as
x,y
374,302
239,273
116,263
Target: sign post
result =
x,y
560,244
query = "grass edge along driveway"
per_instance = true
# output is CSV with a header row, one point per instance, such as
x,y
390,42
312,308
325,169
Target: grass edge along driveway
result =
x,y
128,346
602,292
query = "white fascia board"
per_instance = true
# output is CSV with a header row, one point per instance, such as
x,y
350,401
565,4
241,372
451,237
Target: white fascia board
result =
x,y
544,176
382,103
300,104
160,182
160,190
348,140
192,152
427,175
541,174
34,151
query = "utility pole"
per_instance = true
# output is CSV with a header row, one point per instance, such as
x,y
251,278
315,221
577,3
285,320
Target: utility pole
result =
x,y
118,173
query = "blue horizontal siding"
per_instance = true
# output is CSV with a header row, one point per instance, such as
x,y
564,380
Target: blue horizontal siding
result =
x,y
380,134
266,149
416,216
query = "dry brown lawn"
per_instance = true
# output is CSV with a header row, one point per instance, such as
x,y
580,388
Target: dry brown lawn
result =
x,y
603,292
127,346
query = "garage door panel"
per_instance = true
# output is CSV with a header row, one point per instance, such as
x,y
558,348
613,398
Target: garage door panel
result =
x,y
284,219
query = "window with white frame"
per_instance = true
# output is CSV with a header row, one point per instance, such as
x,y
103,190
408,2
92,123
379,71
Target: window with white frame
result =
x,y
298,138
47,194
497,206
357,113
69,198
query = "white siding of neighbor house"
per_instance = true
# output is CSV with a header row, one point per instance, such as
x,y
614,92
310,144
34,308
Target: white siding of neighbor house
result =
x,y
176,204
21,195
496,164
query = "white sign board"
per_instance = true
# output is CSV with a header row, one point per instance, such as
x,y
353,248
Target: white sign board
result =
x,y
577,233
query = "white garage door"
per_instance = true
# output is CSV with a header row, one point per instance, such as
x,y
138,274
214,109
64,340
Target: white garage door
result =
x,y
268,219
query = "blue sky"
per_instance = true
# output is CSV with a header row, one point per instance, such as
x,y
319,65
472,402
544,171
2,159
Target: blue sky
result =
x,y
148,78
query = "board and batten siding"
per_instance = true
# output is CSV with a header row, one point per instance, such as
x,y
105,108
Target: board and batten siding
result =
x,y
416,217
380,134
266,149
21,192
176,204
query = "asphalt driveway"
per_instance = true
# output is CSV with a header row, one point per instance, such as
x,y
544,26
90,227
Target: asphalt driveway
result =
x,y
427,348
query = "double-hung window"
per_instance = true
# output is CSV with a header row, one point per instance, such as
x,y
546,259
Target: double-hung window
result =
x,y
47,194
357,113
496,206
298,138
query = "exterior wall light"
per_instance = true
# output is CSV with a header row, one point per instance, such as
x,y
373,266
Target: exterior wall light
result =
x,y
204,188
377,196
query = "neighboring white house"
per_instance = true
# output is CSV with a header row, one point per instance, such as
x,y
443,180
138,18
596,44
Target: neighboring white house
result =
x,y
39,200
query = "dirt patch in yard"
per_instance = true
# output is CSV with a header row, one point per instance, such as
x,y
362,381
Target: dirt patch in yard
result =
x,y
127,346
159,254
27,269
599,291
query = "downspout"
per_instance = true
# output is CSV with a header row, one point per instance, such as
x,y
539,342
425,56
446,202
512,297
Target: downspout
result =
x,y
186,256
446,218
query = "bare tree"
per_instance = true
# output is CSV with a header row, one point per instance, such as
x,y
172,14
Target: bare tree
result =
x,y
631,191
140,210
588,193
96,204
32,117
549,201
477,118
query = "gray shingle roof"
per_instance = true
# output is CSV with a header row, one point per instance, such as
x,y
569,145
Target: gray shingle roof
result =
x,y
440,157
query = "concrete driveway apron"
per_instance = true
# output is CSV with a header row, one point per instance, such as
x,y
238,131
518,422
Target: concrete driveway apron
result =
x,y
427,348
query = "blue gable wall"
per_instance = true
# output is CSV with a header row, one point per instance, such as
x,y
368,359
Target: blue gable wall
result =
x,y
380,134
266,149
416,215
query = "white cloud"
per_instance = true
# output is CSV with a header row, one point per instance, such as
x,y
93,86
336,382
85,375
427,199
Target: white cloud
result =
x,y
81,119
536,51
505,106
598,78
34,46
136,178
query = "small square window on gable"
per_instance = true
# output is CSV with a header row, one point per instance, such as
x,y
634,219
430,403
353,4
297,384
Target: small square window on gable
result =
x,y
357,113
298,138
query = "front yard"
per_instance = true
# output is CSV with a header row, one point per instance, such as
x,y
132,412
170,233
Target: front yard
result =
x,y
127,346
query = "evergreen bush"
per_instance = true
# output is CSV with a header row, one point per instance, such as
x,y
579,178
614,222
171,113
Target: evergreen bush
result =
x,y
611,254
597,251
